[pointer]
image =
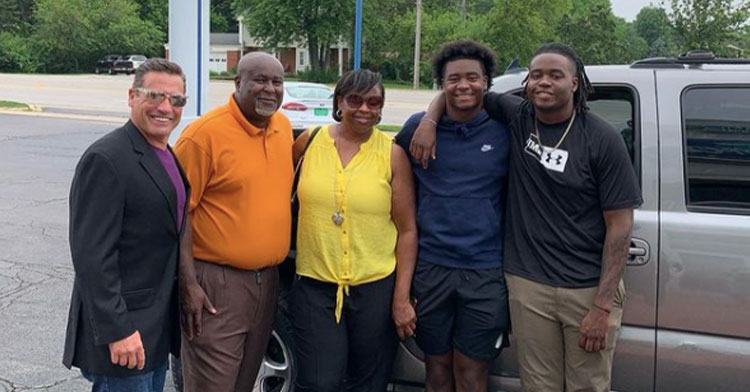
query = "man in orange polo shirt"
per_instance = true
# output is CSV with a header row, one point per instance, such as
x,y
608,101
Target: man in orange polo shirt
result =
x,y
238,159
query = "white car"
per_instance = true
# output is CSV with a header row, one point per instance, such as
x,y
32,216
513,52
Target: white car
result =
x,y
307,105
128,64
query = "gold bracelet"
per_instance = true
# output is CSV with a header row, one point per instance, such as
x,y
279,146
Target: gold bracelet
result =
x,y
429,120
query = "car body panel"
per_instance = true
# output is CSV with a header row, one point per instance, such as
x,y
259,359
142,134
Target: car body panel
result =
x,y
703,335
317,100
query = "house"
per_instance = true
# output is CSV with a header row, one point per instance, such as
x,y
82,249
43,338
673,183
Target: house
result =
x,y
225,50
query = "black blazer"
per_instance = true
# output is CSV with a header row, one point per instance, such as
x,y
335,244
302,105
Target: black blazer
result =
x,y
124,244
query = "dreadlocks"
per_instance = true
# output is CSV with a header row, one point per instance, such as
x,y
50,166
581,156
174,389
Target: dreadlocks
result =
x,y
584,85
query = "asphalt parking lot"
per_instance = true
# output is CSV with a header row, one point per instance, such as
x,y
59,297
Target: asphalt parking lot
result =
x,y
37,159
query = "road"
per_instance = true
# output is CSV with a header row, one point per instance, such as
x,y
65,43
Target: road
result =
x,y
37,159
107,95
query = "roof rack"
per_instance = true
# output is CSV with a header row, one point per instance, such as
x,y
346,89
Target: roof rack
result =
x,y
691,58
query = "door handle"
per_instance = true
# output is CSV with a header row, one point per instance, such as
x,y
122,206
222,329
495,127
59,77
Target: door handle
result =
x,y
638,253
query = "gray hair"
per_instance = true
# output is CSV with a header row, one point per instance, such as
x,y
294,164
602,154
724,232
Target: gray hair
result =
x,y
157,65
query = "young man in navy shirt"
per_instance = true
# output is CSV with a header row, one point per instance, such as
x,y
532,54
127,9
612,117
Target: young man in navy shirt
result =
x,y
461,299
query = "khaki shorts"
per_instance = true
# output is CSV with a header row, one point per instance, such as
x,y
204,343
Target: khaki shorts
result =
x,y
546,322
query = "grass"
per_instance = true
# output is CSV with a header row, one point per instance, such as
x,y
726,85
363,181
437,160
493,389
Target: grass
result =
x,y
389,128
14,105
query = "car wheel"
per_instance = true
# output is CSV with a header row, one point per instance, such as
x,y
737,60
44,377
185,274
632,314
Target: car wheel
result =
x,y
277,371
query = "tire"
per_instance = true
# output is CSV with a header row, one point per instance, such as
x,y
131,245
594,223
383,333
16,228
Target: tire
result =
x,y
277,369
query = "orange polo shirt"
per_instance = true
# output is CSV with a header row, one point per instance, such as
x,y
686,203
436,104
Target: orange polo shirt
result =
x,y
241,182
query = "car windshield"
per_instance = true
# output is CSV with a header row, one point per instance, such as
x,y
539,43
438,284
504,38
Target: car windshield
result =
x,y
310,92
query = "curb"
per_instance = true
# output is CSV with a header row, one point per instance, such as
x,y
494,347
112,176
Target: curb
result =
x,y
37,111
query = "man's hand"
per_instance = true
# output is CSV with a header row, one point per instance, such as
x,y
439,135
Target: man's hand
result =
x,y
193,300
128,352
594,330
405,318
422,146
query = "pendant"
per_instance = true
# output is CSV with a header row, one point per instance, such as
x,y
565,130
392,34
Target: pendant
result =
x,y
337,218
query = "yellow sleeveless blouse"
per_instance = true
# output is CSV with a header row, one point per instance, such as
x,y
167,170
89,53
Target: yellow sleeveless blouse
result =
x,y
362,248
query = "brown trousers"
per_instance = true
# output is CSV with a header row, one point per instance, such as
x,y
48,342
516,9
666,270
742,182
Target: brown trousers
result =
x,y
227,355
546,322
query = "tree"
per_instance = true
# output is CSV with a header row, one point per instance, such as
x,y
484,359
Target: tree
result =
x,y
709,24
75,33
516,28
10,17
16,54
156,12
652,24
591,30
318,24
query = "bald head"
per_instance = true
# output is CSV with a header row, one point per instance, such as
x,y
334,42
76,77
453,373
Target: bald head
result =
x,y
259,87
256,59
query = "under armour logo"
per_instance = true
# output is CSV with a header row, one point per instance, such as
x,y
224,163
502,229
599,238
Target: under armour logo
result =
x,y
558,159
554,159
487,147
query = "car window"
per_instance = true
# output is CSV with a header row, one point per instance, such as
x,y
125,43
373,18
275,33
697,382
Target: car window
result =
x,y
309,92
616,105
716,133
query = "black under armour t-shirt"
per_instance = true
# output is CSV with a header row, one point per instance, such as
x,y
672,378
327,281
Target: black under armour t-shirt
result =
x,y
555,227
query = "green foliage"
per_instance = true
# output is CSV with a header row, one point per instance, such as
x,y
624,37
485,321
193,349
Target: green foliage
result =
x,y
652,24
515,29
223,18
156,12
709,24
592,33
325,75
10,16
73,34
17,54
314,23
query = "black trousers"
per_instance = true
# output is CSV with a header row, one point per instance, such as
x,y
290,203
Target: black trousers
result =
x,y
353,355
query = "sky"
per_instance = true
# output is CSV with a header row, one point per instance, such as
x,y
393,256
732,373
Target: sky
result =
x,y
628,9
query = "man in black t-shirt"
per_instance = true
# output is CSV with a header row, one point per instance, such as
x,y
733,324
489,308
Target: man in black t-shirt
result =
x,y
571,195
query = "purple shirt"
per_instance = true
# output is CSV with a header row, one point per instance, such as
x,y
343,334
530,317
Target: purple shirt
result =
x,y
170,165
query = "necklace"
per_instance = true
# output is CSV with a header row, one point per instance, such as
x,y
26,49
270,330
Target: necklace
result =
x,y
559,142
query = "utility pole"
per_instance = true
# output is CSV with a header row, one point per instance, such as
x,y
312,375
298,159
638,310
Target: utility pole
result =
x,y
358,35
463,10
417,43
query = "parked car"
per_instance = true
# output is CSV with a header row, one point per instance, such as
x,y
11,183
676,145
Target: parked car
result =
x,y
128,64
104,65
686,123
307,105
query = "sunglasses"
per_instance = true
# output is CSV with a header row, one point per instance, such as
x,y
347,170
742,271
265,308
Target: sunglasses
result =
x,y
355,101
156,97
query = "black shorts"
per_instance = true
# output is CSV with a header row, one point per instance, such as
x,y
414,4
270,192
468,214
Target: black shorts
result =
x,y
461,309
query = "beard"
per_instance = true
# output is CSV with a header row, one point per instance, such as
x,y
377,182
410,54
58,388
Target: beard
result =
x,y
265,110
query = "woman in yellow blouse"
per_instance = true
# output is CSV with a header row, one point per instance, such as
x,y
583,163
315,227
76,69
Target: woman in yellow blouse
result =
x,y
356,246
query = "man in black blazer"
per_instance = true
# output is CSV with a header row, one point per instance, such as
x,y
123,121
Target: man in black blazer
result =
x,y
127,214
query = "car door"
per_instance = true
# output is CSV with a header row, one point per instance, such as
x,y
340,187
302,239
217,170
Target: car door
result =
x,y
704,291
